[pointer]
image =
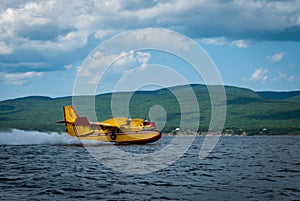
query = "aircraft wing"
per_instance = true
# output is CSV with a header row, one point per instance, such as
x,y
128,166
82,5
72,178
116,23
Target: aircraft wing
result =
x,y
104,124
114,122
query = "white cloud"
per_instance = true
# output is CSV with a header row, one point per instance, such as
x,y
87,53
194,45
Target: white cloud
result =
x,y
68,67
276,57
44,25
101,18
129,60
239,43
10,67
280,76
143,57
118,64
62,27
236,19
5,49
73,40
291,78
101,34
259,74
284,76
19,78
221,41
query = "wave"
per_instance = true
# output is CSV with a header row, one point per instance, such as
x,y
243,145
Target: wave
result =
x,y
20,137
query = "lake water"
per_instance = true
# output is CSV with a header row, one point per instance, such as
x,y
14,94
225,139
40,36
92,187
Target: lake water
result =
x,y
37,166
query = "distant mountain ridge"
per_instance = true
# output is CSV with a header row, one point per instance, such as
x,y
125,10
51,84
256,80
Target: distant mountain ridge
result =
x,y
247,111
278,95
263,94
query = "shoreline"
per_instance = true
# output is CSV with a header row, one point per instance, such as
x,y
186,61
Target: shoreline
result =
x,y
226,135
170,134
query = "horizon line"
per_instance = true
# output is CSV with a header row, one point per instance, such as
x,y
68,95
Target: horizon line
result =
x,y
148,90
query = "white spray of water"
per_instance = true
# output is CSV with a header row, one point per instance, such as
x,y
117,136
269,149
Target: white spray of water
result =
x,y
20,137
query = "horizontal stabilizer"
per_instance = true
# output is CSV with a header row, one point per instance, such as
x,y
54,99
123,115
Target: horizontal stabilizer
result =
x,y
63,122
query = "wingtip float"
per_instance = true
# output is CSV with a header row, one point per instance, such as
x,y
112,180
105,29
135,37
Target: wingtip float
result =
x,y
118,130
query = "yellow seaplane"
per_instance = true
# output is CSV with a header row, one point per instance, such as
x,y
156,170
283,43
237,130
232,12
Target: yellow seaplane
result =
x,y
118,130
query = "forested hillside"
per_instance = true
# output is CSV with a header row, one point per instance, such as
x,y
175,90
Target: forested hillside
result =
x,y
247,111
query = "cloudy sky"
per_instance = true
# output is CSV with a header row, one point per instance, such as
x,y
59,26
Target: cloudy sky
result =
x,y
43,43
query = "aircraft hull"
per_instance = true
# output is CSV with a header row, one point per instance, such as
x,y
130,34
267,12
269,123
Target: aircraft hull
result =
x,y
141,137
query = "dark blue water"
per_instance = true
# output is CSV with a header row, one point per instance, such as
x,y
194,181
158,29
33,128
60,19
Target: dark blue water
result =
x,y
239,168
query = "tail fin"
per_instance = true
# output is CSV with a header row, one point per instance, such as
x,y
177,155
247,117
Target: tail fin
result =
x,y
75,125
70,114
70,117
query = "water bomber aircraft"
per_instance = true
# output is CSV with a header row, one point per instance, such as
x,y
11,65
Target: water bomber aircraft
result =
x,y
117,130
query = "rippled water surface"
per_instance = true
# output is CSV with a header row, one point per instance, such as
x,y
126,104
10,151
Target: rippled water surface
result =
x,y
239,168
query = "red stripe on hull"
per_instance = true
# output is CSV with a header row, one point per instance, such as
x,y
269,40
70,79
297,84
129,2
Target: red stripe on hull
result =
x,y
142,141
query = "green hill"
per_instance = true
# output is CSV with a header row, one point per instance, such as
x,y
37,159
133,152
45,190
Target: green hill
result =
x,y
247,110
278,95
295,99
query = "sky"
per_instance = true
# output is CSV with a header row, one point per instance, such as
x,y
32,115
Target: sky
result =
x,y
44,43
